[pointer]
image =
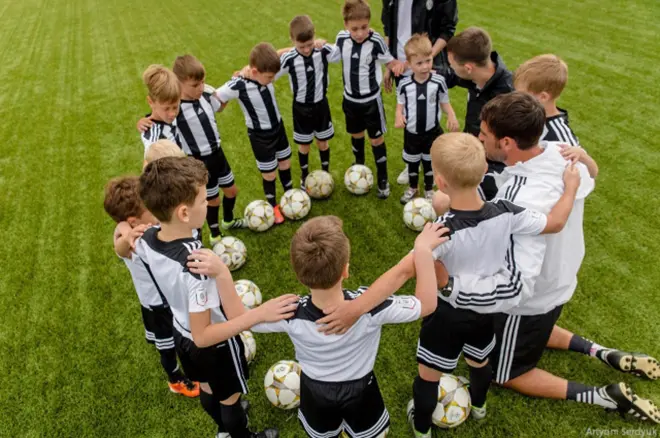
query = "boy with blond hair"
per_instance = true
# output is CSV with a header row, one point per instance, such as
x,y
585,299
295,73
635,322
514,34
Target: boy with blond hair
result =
x,y
255,92
362,52
161,149
164,95
123,204
307,66
338,388
192,280
420,99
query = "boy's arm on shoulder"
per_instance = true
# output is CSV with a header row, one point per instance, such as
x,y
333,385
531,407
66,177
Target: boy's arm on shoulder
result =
x,y
231,302
205,333
226,93
121,240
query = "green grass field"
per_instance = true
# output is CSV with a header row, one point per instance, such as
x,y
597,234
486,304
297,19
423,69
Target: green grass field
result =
x,y
73,359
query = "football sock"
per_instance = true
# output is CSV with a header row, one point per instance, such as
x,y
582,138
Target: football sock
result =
x,y
358,149
170,365
589,394
325,159
213,408
304,165
228,208
235,420
479,382
580,345
413,175
285,179
212,220
428,173
270,191
380,157
425,395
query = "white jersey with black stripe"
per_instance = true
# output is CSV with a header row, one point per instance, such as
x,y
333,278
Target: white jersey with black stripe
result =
x,y
197,126
557,129
257,102
308,75
159,131
341,358
421,102
185,292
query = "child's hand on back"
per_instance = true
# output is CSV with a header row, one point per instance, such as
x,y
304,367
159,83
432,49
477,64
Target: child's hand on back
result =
x,y
144,124
278,308
433,234
135,233
571,177
206,262
319,43
573,153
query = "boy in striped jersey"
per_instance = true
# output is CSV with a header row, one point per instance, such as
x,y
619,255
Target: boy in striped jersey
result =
x,y
420,97
255,92
361,52
307,66
163,98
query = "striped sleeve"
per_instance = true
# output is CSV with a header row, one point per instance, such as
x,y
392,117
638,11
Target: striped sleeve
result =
x,y
332,52
382,52
229,91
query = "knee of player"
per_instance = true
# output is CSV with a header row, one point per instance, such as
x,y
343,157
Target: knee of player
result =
x,y
231,400
230,192
474,364
304,148
323,145
205,387
375,142
284,164
214,201
269,176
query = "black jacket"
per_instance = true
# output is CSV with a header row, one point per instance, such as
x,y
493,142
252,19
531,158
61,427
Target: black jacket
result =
x,y
437,18
500,83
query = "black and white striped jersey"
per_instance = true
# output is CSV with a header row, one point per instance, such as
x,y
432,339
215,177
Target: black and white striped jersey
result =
x,y
257,102
308,75
198,129
557,129
481,243
185,292
160,130
340,358
421,102
362,73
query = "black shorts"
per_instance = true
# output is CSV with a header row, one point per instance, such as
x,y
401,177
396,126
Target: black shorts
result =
x,y
418,146
222,366
220,174
521,340
269,147
369,116
448,331
312,121
356,406
158,329
488,187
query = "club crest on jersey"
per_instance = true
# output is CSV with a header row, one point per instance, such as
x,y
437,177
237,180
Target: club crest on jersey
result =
x,y
201,297
406,302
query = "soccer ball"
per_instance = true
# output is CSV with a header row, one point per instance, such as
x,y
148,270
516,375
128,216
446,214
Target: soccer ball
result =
x,y
259,215
249,293
417,213
249,345
319,184
358,179
295,204
232,252
282,384
453,406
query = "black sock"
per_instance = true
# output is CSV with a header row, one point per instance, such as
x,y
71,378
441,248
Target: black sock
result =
x,y
325,159
425,395
235,420
428,174
380,157
413,176
228,208
170,365
480,379
212,220
270,191
285,179
358,149
580,345
304,165
589,394
213,408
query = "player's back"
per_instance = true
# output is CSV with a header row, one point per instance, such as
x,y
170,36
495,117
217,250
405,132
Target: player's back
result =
x,y
146,290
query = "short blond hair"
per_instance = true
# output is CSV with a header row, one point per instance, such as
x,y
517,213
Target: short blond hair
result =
x,y
188,67
544,73
162,84
161,149
354,10
319,252
418,45
460,158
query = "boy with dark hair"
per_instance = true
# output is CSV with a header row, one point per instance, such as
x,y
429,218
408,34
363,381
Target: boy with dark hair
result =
x,y
123,204
256,95
192,280
338,387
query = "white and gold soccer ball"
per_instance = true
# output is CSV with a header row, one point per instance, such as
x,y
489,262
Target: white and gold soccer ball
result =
x,y
259,215
417,213
454,404
282,384
232,252
295,204
319,184
358,179
249,292
249,345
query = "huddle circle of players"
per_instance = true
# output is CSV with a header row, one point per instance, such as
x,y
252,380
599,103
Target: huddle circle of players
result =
x,y
486,279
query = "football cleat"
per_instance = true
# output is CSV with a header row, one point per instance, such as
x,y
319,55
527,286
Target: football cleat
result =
x,y
428,194
383,190
236,223
267,433
410,413
634,363
185,387
279,218
408,195
478,413
215,240
628,402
